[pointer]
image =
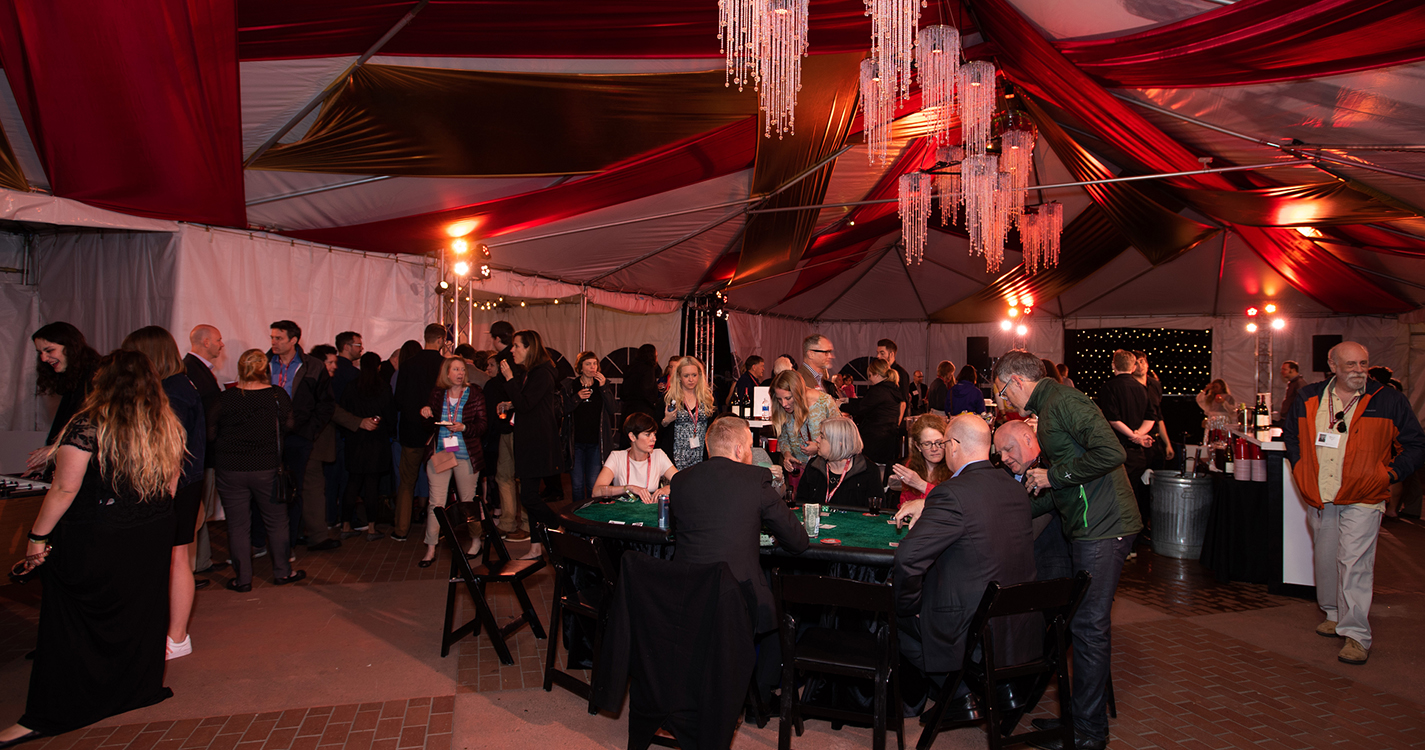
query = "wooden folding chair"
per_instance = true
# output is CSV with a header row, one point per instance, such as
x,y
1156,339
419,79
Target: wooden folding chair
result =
x,y
495,566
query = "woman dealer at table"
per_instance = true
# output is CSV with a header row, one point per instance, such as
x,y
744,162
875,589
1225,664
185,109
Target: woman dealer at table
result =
x,y
840,474
66,369
641,468
797,414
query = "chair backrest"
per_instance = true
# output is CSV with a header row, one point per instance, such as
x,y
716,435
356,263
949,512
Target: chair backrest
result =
x,y
1055,599
463,515
565,548
835,592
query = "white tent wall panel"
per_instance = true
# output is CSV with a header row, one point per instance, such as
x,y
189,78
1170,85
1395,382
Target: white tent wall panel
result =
x,y
242,282
19,304
106,283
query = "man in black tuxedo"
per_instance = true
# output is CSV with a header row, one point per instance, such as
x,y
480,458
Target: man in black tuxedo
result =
x,y
975,528
718,508
205,346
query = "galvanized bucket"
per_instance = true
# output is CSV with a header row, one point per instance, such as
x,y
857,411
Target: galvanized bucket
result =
x,y
1180,510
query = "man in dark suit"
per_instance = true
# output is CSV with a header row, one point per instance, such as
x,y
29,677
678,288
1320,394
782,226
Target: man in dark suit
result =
x,y
718,508
205,346
975,528
1018,448
414,383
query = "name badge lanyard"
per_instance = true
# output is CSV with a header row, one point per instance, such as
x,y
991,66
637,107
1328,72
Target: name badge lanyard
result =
x,y
693,441
451,441
1337,416
647,469
830,491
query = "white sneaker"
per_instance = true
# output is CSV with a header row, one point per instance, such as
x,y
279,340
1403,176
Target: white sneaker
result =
x,y
175,650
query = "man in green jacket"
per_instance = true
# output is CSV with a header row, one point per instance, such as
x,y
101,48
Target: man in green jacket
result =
x,y
1088,487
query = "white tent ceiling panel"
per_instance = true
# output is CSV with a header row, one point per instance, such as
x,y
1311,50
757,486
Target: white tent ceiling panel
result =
x,y
1405,276
1181,286
952,252
359,202
884,292
1096,294
815,301
273,91
1050,170
940,286
680,269
599,249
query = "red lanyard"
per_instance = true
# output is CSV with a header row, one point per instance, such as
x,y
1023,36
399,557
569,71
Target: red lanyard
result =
x,y
1331,405
832,490
628,469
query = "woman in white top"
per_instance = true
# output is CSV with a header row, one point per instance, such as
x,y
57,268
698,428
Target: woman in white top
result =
x,y
640,469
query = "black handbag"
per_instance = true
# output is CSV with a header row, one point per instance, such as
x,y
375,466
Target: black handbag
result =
x,y
284,490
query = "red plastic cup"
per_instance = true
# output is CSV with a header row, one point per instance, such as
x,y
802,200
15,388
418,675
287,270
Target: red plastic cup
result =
x,y
771,445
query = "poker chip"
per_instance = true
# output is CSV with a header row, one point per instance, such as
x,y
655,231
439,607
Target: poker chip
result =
x,y
831,541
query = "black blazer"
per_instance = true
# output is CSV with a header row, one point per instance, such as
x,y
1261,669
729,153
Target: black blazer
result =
x,y
877,415
975,529
718,510
208,391
639,390
414,382
538,407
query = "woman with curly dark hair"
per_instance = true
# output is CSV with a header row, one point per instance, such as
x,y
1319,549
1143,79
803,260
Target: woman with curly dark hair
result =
x,y
103,541
65,369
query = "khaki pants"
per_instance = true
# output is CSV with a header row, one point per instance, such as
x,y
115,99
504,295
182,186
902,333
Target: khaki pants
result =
x,y
406,494
1344,538
511,513
466,480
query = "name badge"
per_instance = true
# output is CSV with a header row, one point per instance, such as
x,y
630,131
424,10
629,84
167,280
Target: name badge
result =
x,y
1328,439
451,443
693,442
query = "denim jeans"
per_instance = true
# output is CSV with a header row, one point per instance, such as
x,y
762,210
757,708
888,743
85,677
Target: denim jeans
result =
x,y
1091,630
587,464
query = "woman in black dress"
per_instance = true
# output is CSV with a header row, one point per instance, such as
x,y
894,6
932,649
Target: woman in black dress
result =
x,y
158,345
65,369
534,395
878,414
103,541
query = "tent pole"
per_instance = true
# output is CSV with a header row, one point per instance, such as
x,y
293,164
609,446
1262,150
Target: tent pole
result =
x,y
335,85
624,222
315,190
583,318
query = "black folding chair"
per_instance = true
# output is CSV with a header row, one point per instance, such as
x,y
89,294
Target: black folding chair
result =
x,y
495,566
572,555
868,654
1056,600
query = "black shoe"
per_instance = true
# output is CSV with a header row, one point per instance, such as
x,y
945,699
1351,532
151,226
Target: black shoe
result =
x,y
426,563
324,546
32,735
398,537
1080,742
211,567
241,588
296,576
201,583
960,710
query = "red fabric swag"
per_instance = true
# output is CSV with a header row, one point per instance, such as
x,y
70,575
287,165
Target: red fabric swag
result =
x,y
1259,41
721,152
132,106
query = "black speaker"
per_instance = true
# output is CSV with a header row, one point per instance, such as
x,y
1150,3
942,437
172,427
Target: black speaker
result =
x,y
977,354
1320,347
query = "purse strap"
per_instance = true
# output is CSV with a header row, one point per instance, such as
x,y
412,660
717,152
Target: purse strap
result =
x,y
277,424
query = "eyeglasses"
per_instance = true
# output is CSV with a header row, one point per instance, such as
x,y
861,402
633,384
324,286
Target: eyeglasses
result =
x,y
1000,396
823,351
933,444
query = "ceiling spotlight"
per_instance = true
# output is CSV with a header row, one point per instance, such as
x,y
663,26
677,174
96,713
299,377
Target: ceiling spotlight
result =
x,y
1251,328
521,303
1279,323
1269,308
1251,312
1013,301
461,268
1005,325
484,271
1013,312
482,250
460,246
443,285
461,228
1022,330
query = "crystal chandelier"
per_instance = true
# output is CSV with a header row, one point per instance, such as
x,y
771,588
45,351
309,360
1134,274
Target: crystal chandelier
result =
x,y
914,206
781,47
976,90
764,42
886,81
1040,230
877,111
983,212
949,186
938,65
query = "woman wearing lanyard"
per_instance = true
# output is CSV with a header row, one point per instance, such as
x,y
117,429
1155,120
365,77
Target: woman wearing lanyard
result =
x,y
688,406
462,421
839,475
640,469
797,415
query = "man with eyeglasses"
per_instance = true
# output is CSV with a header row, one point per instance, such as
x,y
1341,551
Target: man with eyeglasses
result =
x,y
817,357
1348,439
1085,483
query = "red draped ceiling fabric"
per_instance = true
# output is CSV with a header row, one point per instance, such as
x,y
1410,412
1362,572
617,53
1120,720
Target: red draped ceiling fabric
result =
x,y
132,106
1033,63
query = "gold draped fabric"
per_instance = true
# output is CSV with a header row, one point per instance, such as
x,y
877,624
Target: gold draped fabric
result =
x,y
825,109
431,122
11,176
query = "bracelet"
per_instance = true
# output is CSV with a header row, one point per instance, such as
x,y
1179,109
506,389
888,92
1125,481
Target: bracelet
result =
x,y
38,538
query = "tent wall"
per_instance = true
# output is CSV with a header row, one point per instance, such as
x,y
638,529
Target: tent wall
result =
x,y
19,304
608,329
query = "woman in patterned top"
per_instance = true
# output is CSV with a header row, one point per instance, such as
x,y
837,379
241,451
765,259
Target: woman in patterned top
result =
x,y
797,414
688,406
103,541
461,410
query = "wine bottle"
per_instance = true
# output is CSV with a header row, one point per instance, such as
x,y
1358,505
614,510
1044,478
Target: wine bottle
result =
x,y
1263,417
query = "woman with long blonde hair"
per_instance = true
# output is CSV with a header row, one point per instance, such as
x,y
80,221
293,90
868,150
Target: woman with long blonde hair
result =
x,y
688,406
797,414
103,542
